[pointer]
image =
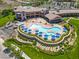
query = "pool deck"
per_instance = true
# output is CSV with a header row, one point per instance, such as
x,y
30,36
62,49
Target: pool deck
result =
x,y
41,21
36,20
44,24
43,42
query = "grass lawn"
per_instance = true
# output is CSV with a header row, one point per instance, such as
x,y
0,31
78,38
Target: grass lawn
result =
x,y
65,18
34,54
4,20
75,51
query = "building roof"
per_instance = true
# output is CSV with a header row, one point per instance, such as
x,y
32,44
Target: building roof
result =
x,y
51,16
65,11
65,0
28,9
68,11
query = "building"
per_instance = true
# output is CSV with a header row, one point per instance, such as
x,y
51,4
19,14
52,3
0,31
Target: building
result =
x,y
22,13
64,4
53,18
66,12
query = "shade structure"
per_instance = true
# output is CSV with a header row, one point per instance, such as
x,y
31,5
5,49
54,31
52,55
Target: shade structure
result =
x,y
23,26
40,34
46,37
58,35
64,29
29,31
36,32
25,29
53,37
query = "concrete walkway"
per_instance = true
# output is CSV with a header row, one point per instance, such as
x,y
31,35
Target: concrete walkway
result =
x,y
20,40
68,34
68,20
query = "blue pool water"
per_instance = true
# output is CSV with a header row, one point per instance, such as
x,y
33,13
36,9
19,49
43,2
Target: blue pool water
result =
x,y
55,31
45,30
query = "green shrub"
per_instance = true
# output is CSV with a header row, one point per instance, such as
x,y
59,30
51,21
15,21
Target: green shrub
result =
x,y
5,12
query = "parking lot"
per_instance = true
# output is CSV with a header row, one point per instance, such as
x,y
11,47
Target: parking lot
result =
x,y
6,32
2,54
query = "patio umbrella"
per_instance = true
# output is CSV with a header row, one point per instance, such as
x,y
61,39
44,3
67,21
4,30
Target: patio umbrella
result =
x,y
23,26
40,33
53,37
45,36
25,29
57,35
29,31
64,29
36,32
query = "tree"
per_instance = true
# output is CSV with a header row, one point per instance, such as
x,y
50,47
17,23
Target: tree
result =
x,y
6,12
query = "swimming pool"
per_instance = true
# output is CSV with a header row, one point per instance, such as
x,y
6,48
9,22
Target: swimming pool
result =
x,y
48,31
